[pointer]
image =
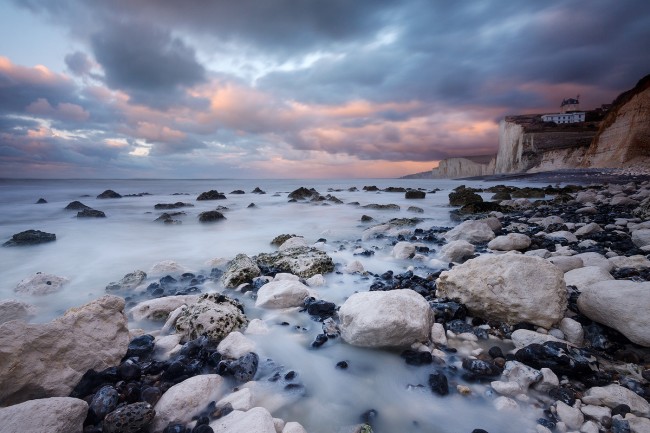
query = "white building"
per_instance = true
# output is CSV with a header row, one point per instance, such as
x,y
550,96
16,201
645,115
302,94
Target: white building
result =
x,y
573,117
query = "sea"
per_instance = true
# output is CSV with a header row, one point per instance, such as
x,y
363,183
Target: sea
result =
x,y
96,251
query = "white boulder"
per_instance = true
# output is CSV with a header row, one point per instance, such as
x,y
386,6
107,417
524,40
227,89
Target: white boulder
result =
x,y
293,427
213,315
167,267
586,276
509,242
566,263
235,345
510,288
41,284
158,309
294,242
456,251
641,237
471,231
239,400
569,415
184,400
403,250
572,330
595,259
588,229
524,337
11,309
257,420
240,270
354,267
637,262
48,360
619,304
51,415
395,318
282,294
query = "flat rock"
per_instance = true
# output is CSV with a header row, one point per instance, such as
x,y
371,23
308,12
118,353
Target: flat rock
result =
x,y
619,304
48,360
30,237
51,415
396,318
304,262
41,284
613,395
566,263
129,282
158,309
637,262
524,337
595,259
187,399
562,234
510,288
257,420
586,276
641,238
293,242
282,294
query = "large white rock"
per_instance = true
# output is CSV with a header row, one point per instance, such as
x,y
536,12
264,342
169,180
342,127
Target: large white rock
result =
x,y
599,413
571,416
41,284
396,318
293,427
235,345
566,263
354,267
613,395
641,237
239,400
586,276
213,315
510,288
282,294
509,242
471,231
11,309
403,250
619,304
595,259
48,360
257,420
167,267
572,330
51,415
240,270
184,400
637,262
524,337
455,251
294,242
158,309
588,229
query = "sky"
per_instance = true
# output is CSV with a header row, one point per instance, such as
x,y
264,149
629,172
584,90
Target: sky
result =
x,y
294,88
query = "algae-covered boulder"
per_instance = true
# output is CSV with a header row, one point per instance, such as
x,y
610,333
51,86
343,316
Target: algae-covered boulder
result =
x,y
303,261
213,315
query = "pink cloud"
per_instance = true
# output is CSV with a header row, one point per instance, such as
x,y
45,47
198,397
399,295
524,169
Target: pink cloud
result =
x,y
63,111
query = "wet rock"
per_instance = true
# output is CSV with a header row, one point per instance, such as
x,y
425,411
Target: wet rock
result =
x,y
559,357
104,402
41,201
320,308
51,415
241,269
141,346
41,284
76,205
30,237
257,420
564,395
131,418
11,309
507,288
91,213
211,195
385,319
621,305
159,309
187,399
620,426
213,316
417,357
462,196
243,369
438,383
304,262
480,369
128,282
303,193
109,193
366,218
614,395
211,216
413,209
293,242
457,251
376,206
414,194
509,242
167,206
257,190
235,345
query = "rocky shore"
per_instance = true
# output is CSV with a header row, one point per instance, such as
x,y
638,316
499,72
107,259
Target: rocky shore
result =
x,y
535,305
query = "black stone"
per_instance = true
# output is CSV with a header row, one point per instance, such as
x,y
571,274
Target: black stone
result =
x,y
203,428
151,394
565,395
91,380
563,360
109,193
211,216
620,426
129,370
211,195
479,430
104,402
257,190
30,237
243,368
462,196
479,369
41,201
495,352
319,340
460,327
76,205
174,428
438,383
342,365
448,311
91,213
417,357
141,346
414,194
320,308
621,409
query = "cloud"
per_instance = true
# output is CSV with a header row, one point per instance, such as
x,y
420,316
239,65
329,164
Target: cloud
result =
x,y
78,63
63,110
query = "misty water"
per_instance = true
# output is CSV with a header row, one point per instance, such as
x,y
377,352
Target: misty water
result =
x,y
93,252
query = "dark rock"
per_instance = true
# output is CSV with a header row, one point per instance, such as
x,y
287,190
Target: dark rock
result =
x,y
257,190
76,205
620,426
479,430
370,188
438,383
366,218
394,189
342,365
462,196
448,311
243,368
237,191
495,352
528,192
563,360
178,204
91,380
320,308
621,409
546,423
175,428
280,239
151,394
252,205
30,237
459,327
502,195
564,395
202,428
481,207
479,369
109,193
168,218
41,201
417,357
381,206
129,370
104,402
319,340
303,193
129,419
211,216
91,213
211,195
415,209
415,194
141,346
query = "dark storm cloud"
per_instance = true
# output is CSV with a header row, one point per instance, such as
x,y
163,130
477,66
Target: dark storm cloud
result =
x,y
78,63
145,61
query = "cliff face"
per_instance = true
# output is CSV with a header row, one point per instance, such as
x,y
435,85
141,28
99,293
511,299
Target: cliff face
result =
x,y
527,144
624,137
454,168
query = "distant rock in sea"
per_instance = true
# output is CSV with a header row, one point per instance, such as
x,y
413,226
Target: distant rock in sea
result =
x,y
30,237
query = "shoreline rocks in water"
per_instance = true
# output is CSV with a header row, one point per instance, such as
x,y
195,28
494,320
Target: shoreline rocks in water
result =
x,y
30,237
